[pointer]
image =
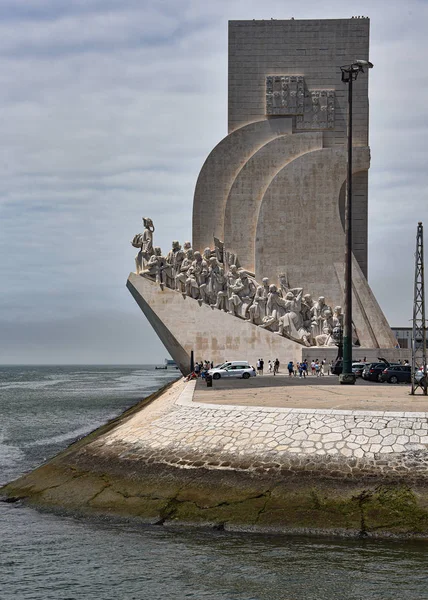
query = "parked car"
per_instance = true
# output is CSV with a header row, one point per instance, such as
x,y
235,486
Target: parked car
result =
x,y
228,363
373,371
419,375
397,374
241,369
357,368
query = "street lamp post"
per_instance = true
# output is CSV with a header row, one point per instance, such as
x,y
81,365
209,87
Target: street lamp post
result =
x,y
349,75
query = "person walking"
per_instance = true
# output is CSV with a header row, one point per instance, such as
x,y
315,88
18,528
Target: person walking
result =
x,y
290,368
317,368
270,366
313,367
262,364
258,366
305,368
276,366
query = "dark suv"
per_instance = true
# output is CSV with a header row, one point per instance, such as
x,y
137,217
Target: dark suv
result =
x,y
373,371
397,374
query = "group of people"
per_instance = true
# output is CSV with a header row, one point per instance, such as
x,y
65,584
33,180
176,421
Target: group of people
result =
x,y
214,278
317,368
200,369
273,366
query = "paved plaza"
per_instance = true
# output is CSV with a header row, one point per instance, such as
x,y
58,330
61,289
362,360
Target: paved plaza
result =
x,y
192,424
311,392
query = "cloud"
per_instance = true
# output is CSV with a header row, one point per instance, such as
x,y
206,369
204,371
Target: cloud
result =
x,y
108,111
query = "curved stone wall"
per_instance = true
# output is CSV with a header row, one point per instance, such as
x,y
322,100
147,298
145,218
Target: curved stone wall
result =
x,y
246,193
218,174
299,229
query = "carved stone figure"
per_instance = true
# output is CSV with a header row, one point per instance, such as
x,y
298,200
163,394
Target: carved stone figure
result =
x,y
326,338
181,277
174,259
216,283
241,293
200,268
318,315
257,310
275,309
307,305
192,286
155,266
292,322
207,254
219,250
144,241
337,317
284,286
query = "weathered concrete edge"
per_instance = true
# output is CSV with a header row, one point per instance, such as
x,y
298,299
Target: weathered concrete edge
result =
x,y
187,395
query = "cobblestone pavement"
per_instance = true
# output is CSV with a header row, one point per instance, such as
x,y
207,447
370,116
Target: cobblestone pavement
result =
x,y
176,430
312,392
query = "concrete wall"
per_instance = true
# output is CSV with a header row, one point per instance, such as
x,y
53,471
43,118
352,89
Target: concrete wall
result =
x,y
219,172
312,48
299,229
212,334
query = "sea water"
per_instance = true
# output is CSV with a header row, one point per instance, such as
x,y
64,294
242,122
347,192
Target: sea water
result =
x,y
46,556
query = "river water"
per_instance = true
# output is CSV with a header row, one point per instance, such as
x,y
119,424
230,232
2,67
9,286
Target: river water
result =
x,y
46,556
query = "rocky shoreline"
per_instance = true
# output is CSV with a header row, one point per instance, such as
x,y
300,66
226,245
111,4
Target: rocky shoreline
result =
x,y
137,467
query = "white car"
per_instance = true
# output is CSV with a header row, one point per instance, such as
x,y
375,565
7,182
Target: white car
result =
x,y
419,375
241,369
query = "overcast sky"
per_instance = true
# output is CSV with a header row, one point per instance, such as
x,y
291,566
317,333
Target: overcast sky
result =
x,y
108,109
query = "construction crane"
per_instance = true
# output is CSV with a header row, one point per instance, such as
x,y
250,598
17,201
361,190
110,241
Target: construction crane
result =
x,y
419,343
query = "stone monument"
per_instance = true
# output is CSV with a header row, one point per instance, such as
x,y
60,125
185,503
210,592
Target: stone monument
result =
x,y
268,212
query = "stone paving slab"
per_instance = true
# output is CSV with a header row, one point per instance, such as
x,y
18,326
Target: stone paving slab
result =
x,y
319,393
181,431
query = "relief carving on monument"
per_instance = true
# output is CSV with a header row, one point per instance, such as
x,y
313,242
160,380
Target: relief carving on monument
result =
x,y
223,286
288,95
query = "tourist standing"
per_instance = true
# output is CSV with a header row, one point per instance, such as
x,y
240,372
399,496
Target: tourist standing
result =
x,y
313,367
290,368
270,366
262,364
317,368
305,367
276,366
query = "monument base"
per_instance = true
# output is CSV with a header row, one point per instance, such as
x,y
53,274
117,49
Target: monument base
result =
x,y
347,378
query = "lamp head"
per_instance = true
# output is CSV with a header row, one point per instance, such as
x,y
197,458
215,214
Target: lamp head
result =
x,y
364,64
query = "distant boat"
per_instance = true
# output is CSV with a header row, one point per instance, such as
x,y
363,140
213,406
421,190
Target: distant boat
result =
x,y
170,363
